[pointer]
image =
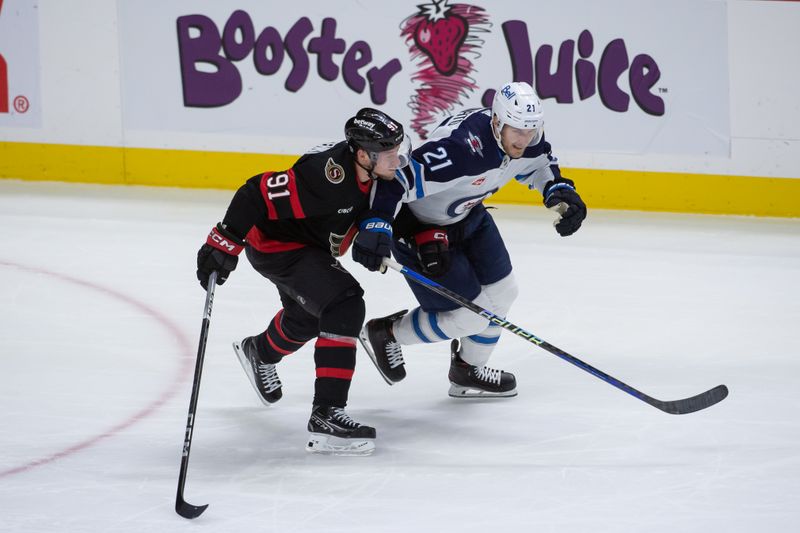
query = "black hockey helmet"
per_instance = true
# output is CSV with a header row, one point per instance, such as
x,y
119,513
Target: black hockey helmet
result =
x,y
373,131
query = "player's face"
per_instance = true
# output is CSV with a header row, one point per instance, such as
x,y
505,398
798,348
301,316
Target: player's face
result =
x,y
387,163
515,140
392,160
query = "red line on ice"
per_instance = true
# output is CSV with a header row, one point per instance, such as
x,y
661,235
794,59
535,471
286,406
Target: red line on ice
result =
x,y
184,371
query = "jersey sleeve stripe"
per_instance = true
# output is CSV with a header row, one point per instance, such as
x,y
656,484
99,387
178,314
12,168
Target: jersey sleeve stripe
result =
x,y
294,198
418,178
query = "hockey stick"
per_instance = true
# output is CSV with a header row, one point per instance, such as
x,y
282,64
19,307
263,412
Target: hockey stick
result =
x,y
187,510
675,407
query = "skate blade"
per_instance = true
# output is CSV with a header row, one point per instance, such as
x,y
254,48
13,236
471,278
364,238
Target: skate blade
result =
x,y
330,445
457,391
362,337
245,362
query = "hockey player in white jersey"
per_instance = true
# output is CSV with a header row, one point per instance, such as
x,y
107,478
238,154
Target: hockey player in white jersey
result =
x,y
444,230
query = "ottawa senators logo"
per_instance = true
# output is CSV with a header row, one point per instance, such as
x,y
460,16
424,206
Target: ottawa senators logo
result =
x,y
334,171
340,243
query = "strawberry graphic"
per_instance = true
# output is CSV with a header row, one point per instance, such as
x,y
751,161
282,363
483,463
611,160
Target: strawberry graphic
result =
x,y
443,40
440,35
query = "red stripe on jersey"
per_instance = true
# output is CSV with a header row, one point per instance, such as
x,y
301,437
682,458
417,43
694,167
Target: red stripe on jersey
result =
x,y
272,213
257,240
340,373
276,348
294,199
339,342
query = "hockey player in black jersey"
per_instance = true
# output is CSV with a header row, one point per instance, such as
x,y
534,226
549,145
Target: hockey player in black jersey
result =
x,y
292,226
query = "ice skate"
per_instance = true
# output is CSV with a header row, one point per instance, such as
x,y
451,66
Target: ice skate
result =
x,y
377,339
467,381
262,376
333,432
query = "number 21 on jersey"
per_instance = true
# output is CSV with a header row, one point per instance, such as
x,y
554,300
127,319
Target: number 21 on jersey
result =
x,y
439,156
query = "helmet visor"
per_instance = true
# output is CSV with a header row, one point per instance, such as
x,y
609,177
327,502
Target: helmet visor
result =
x,y
394,158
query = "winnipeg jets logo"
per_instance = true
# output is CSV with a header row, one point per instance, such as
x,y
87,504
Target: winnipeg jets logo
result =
x,y
475,144
334,171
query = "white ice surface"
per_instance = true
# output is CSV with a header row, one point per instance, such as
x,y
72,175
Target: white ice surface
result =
x,y
99,320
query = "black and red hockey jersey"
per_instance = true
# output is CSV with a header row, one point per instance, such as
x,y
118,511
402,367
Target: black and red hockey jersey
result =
x,y
314,203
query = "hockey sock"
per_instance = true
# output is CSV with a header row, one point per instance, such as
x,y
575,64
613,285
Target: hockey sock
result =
x,y
275,343
335,358
477,348
335,349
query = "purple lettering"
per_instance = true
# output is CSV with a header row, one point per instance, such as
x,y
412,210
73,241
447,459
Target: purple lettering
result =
x,y
325,46
234,50
379,80
589,79
644,74
585,73
294,47
519,50
210,76
613,63
205,89
556,84
268,39
356,57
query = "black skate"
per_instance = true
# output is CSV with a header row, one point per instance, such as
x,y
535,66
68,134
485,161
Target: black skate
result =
x,y
263,376
334,432
383,349
467,381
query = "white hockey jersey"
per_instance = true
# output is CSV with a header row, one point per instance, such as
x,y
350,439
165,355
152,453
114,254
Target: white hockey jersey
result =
x,y
459,167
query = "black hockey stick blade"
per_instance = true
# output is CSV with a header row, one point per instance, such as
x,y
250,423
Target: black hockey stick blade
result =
x,y
690,405
187,510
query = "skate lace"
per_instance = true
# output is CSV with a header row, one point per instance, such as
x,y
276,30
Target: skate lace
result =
x,y
490,375
269,377
339,415
394,354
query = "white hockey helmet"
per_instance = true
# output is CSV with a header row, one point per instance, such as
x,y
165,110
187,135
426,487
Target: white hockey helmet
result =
x,y
517,105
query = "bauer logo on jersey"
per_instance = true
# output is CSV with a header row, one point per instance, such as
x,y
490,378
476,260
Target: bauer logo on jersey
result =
x,y
334,171
475,144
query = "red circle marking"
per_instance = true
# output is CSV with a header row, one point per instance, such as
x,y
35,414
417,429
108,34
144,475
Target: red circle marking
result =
x,y
21,104
182,375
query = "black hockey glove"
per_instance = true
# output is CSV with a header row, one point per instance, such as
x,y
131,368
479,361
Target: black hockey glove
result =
x,y
562,190
221,253
373,242
433,251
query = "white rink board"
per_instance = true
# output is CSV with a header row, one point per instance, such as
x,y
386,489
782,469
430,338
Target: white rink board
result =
x,y
296,104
